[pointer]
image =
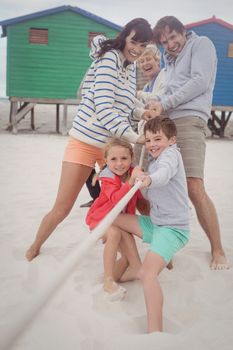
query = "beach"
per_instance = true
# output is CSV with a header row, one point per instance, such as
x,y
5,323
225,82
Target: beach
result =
x,y
198,302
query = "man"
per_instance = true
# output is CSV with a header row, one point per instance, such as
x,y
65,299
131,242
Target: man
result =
x,y
190,64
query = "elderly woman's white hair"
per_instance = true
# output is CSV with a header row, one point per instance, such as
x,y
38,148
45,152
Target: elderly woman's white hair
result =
x,y
153,50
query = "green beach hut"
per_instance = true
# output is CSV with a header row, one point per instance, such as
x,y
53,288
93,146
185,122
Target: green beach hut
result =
x,y
48,54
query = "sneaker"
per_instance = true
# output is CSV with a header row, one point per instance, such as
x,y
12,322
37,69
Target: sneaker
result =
x,y
87,205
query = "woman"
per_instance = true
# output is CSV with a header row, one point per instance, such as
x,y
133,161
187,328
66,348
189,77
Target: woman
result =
x,y
107,102
149,65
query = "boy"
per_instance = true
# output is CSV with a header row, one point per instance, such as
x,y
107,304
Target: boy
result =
x,y
167,227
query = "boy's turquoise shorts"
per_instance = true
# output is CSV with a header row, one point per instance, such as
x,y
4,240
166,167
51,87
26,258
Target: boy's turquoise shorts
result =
x,y
164,240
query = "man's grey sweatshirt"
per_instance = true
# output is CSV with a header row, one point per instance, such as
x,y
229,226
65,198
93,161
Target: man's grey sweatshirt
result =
x,y
189,79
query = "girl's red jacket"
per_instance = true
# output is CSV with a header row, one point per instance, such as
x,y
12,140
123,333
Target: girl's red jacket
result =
x,y
112,190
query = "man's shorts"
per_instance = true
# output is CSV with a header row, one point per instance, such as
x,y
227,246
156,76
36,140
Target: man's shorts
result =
x,y
164,240
81,153
191,134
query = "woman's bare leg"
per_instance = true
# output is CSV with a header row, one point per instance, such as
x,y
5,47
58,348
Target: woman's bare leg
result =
x,y
73,176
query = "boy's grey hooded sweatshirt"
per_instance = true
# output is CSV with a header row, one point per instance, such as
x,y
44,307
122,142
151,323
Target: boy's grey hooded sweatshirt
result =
x,y
190,78
167,193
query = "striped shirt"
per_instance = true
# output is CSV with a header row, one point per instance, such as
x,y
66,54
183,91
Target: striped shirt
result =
x,y
108,95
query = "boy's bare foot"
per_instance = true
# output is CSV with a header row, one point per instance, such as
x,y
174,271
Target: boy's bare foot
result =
x,y
219,261
32,252
113,291
130,274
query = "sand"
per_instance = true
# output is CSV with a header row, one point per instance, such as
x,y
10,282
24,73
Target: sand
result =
x,y
198,302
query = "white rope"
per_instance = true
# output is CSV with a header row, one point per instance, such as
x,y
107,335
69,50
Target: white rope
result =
x,y
142,156
31,311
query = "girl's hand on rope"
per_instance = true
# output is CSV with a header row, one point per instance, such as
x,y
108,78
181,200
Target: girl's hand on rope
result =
x,y
134,175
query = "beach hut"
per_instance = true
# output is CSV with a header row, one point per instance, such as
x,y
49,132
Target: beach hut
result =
x,y
47,57
221,34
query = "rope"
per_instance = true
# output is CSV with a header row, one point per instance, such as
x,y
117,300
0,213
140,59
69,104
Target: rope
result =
x,y
31,311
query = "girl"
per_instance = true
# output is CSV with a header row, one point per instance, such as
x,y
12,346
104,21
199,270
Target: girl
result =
x,y
107,102
115,183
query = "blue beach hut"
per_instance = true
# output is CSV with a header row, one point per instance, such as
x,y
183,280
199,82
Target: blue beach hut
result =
x,y
221,34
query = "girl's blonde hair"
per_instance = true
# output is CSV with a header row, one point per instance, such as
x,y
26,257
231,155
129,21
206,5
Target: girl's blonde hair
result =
x,y
117,142
112,143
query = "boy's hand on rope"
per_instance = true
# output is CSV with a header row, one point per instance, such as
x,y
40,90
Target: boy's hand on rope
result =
x,y
139,175
145,179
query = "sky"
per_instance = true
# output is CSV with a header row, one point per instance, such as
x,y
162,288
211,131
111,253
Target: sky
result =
x,y
119,12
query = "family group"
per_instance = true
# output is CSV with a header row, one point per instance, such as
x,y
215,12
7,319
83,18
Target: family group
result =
x,y
114,123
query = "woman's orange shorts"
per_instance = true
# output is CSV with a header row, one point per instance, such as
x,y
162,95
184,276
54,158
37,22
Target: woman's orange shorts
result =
x,y
81,153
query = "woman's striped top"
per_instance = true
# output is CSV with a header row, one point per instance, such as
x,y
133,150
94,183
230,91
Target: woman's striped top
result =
x,y
108,94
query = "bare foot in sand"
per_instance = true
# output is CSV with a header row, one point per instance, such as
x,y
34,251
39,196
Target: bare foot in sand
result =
x,y
112,290
219,261
32,252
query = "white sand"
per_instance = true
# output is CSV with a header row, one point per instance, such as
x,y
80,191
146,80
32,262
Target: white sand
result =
x,y
198,308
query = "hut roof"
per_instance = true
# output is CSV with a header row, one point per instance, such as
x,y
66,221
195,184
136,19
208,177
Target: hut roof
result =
x,y
55,10
210,20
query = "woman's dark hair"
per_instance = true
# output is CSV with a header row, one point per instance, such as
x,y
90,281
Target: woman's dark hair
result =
x,y
165,124
168,21
143,34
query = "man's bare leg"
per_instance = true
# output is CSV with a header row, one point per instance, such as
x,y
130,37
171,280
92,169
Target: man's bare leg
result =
x,y
208,220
